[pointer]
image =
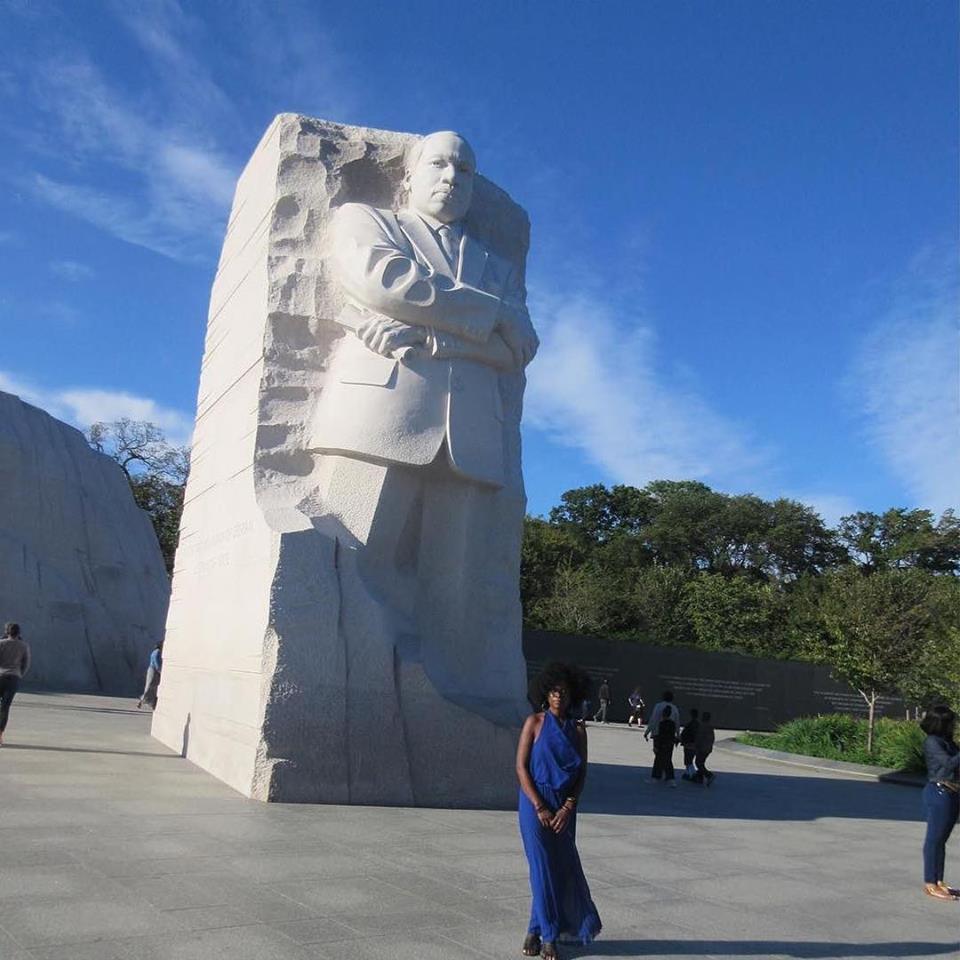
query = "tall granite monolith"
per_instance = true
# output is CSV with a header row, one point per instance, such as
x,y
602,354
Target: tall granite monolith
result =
x,y
80,567
345,624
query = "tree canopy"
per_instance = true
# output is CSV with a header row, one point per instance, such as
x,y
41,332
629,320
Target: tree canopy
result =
x,y
676,562
157,472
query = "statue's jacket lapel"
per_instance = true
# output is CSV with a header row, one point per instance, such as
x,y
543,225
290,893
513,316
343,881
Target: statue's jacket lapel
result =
x,y
424,243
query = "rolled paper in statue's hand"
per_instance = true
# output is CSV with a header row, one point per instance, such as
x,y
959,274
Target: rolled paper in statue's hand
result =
x,y
353,318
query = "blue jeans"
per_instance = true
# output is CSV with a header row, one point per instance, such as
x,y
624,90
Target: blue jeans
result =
x,y
941,807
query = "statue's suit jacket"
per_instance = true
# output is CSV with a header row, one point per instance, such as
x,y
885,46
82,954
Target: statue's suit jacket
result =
x,y
403,410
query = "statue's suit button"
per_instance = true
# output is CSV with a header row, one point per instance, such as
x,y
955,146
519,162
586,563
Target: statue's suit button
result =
x,y
456,384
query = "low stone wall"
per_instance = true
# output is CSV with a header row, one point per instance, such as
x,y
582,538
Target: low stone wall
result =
x,y
741,692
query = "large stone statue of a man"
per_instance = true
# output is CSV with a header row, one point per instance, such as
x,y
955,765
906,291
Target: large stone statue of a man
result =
x,y
412,413
345,624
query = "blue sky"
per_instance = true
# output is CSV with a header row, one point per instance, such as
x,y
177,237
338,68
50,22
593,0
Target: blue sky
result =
x,y
745,215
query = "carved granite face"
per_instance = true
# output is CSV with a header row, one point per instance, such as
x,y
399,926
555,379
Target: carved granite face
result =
x,y
441,182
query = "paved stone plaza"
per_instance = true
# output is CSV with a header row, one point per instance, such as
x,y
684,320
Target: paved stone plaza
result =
x,y
115,849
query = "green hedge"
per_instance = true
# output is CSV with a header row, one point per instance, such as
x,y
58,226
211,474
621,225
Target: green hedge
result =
x,y
836,736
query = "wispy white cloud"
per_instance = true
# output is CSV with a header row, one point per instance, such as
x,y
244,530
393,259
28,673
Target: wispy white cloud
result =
x,y
82,406
599,386
164,227
906,382
152,156
71,270
144,176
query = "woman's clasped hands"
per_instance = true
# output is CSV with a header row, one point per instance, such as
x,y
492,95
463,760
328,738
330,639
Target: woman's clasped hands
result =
x,y
557,822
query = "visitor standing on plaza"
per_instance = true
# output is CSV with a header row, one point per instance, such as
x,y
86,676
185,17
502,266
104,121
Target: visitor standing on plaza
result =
x,y
636,708
14,663
703,747
941,797
152,681
688,737
664,742
552,768
604,697
663,707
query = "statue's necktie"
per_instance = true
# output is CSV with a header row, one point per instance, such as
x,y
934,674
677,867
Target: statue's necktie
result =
x,y
448,244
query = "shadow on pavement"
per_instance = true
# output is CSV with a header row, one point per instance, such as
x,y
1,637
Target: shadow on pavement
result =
x,y
119,753
27,705
617,789
759,948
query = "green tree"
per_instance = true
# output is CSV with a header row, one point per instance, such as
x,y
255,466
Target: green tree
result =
x,y
899,538
583,600
877,630
687,529
597,514
156,470
734,613
934,673
658,608
545,550
796,542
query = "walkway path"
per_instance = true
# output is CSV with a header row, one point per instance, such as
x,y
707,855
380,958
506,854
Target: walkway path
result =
x,y
115,849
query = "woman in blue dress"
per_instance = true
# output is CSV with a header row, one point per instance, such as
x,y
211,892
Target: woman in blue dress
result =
x,y
551,768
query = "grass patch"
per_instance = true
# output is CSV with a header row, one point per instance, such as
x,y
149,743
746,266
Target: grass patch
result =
x,y
836,736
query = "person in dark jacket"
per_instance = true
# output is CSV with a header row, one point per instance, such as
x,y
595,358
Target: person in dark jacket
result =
x,y
941,797
636,708
14,663
703,747
688,736
663,744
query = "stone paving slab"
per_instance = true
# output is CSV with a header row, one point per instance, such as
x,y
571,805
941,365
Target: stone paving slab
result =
x,y
117,849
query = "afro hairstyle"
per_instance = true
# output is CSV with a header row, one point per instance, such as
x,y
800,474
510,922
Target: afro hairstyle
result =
x,y
556,674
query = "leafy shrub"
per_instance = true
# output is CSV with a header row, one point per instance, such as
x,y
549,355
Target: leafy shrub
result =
x,y
837,736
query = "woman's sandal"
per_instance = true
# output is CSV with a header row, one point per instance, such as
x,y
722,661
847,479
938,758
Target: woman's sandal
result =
x,y
531,945
549,951
937,892
953,891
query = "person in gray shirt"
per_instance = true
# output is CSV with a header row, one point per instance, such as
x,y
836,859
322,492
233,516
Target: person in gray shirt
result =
x,y
14,663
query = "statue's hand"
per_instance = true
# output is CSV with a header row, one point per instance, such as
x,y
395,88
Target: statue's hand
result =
x,y
517,330
384,335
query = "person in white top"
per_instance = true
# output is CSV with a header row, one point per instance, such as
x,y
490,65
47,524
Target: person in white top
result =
x,y
662,708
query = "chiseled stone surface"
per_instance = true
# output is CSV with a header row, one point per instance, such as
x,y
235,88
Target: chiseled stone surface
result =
x,y
299,664
80,568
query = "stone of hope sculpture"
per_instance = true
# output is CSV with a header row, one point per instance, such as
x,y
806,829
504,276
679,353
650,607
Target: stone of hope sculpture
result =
x,y
345,623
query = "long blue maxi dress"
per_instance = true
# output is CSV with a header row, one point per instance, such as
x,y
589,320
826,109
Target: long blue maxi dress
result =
x,y
562,906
